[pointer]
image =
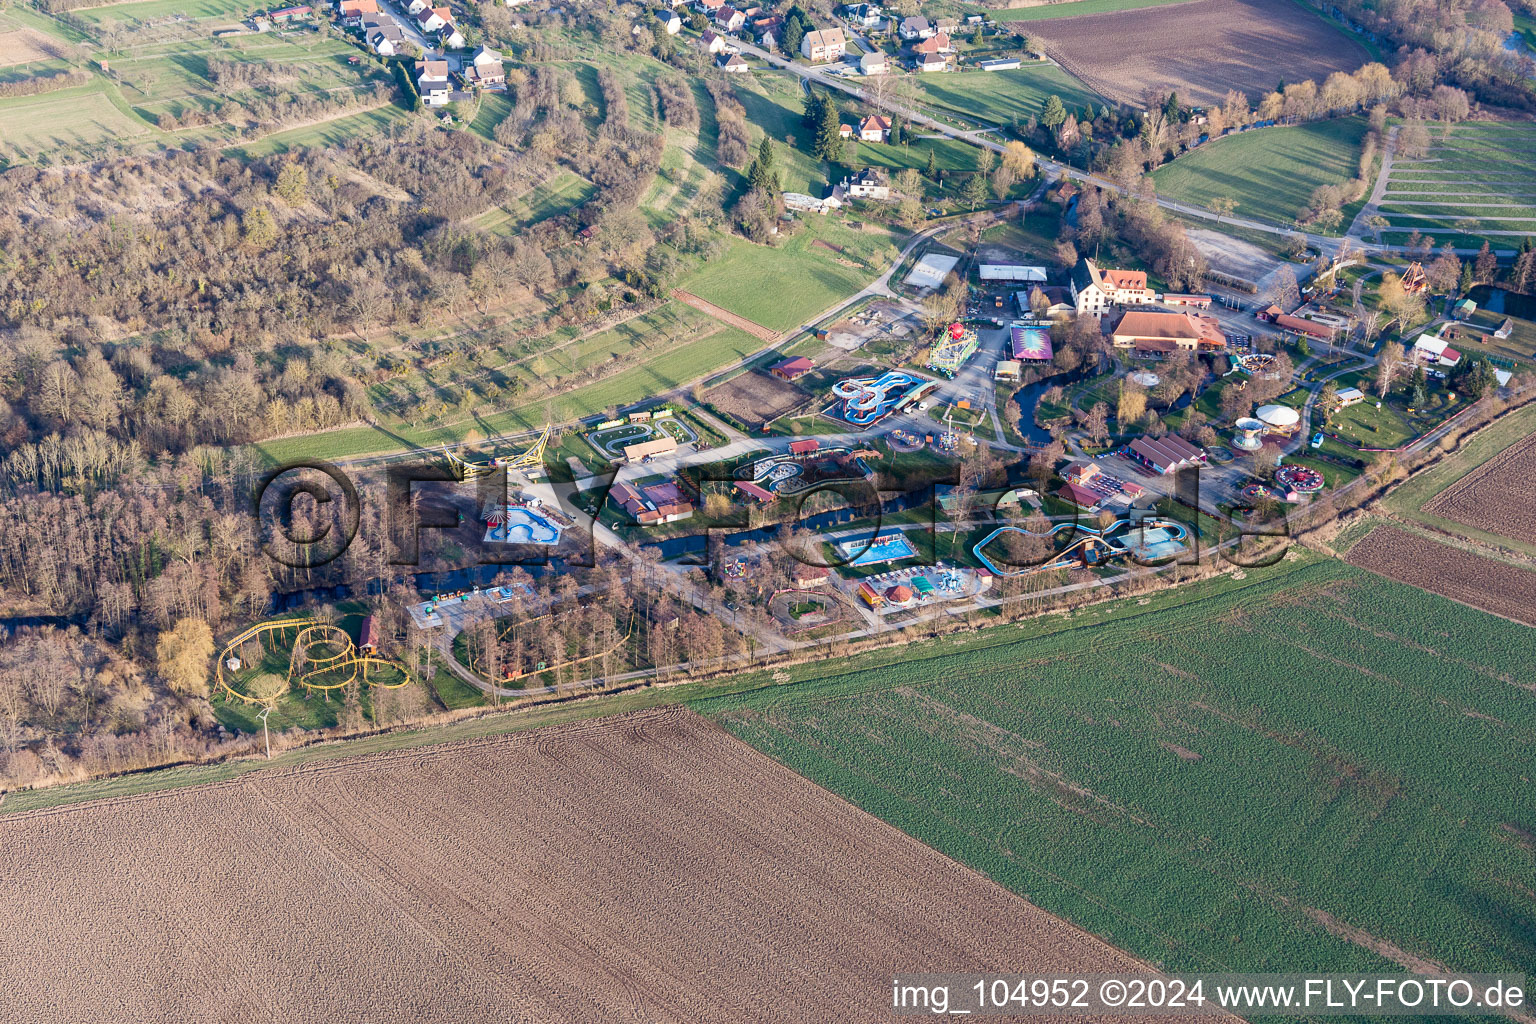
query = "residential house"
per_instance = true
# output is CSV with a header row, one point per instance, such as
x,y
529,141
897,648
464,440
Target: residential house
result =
x,y
948,25
845,131
863,15
433,18
823,45
485,69
1154,334
670,21
874,63
733,63
1095,291
432,82
875,128
415,7
931,62
767,31
353,11
712,41
870,183
728,19
709,7
914,28
451,38
935,44
385,39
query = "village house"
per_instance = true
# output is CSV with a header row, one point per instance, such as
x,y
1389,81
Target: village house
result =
x,y
935,44
432,82
283,15
415,7
709,7
875,128
451,38
948,25
433,18
733,63
870,183
485,70
712,41
729,19
353,11
1095,291
914,28
874,63
670,21
931,62
383,35
862,15
823,45
1154,335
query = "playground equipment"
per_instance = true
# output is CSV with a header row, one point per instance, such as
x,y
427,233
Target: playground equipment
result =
x,y
302,668
867,400
954,347
1299,479
1248,434
529,458
1147,539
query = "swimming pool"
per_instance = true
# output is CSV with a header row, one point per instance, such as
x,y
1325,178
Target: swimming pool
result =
x,y
892,548
524,526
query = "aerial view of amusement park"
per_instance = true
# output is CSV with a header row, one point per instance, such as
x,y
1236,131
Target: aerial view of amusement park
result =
x,y
560,511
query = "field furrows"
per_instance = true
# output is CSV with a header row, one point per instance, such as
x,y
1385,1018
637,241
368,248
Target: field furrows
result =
x,y
1493,586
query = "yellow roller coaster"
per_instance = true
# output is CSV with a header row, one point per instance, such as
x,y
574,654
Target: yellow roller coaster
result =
x,y
304,670
530,457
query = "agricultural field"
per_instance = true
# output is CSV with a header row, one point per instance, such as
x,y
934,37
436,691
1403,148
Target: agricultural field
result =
x,y
1411,500
85,117
438,885
754,398
1493,498
1073,9
1498,587
1308,766
1199,49
1476,183
1269,173
1004,97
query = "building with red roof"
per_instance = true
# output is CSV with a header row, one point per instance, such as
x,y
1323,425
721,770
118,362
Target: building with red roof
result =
x,y
1166,454
804,447
789,369
753,491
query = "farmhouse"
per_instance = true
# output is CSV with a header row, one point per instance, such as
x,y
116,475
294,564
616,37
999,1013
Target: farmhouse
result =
x,y
1155,334
870,183
874,128
636,453
1095,291
823,45
1165,454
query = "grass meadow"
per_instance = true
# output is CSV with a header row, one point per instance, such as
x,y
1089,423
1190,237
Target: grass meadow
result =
x,y
1207,784
1004,97
1270,173
1072,9
1476,179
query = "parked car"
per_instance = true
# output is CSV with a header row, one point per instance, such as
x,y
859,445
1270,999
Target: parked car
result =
x,y
1317,439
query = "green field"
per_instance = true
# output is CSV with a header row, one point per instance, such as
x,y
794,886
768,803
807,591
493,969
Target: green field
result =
x,y
87,116
1004,97
327,133
1269,172
1072,9
1479,171
783,286
227,10
1196,785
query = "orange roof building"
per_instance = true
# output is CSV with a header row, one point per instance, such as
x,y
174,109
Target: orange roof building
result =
x,y
1152,333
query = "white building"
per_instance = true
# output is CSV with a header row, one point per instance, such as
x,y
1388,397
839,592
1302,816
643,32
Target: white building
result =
x,y
823,45
1096,291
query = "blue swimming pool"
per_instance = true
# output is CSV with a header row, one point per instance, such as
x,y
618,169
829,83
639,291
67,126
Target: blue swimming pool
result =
x,y
878,551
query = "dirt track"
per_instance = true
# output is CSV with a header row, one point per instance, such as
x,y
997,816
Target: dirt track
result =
x,y
648,867
757,330
1199,49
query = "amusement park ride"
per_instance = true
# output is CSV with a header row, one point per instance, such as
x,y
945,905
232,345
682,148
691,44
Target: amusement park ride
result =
x,y
530,458
343,665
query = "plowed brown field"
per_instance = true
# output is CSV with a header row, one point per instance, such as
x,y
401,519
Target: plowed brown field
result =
x,y
1199,50
1495,497
1496,587
648,867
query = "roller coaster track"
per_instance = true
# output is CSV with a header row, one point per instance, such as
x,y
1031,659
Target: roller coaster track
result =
x,y
529,457
310,631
